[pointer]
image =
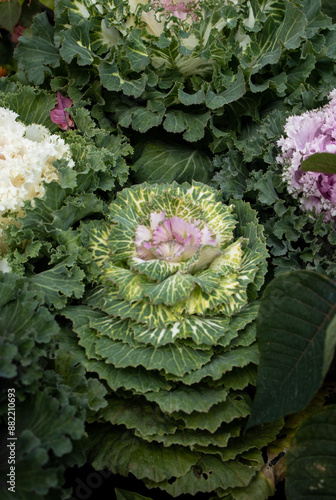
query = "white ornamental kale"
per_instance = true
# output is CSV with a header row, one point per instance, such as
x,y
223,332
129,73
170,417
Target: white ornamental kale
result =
x,y
312,132
170,328
27,154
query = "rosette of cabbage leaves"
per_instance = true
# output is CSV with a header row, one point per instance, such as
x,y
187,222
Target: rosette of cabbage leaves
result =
x,y
169,326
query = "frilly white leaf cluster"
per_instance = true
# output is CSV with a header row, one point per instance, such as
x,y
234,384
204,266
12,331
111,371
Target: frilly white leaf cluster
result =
x,y
27,154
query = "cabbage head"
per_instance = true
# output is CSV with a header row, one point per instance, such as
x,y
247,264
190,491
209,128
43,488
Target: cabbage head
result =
x,y
169,326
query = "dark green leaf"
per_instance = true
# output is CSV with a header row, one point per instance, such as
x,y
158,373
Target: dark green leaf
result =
x,y
37,54
10,11
295,312
163,162
320,162
311,458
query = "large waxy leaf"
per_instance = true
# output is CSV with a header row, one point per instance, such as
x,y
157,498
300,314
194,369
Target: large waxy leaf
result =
x,y
38,53
260,487
141,118
163,162
294,314
292,29
240,378
172,358
311,458
188,399
26,329
117,449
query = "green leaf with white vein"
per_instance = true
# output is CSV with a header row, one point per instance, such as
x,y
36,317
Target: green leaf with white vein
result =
x,y
76,43
173,289
112,80
136,51
200,330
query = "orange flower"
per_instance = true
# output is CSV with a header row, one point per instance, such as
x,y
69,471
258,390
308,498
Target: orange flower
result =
x,y
3,71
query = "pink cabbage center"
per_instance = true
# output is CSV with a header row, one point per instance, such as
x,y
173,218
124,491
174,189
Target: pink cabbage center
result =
x,y
172,240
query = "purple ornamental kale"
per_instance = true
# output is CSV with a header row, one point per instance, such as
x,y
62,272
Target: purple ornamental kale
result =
x,y
312,132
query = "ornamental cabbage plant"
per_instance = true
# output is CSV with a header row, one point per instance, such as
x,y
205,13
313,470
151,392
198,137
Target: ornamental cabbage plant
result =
x,y
312,132
180,88
168,324
27,154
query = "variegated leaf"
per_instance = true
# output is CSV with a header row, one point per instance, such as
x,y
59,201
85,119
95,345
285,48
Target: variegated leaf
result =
x,y
220,220
121,242
201,330
142,311
129,283
173,289
157,270
136,198
114,328
228,296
